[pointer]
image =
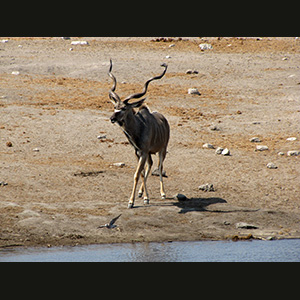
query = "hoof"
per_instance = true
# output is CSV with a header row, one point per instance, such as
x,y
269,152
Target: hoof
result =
x,y
140,194
130,205
163,197
146,201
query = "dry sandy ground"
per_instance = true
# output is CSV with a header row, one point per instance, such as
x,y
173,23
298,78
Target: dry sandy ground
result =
x,y
58,105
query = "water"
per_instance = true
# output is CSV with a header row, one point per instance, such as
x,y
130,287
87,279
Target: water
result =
x,y
203,251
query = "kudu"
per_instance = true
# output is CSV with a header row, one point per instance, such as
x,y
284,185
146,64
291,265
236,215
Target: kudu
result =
x,y
148,132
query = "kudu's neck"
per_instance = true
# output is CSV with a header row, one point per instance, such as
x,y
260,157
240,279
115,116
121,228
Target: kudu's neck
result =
x,y
131,128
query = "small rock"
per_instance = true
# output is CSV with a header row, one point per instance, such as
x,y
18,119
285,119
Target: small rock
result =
x,y
244,225
261,148
255,140
79,43
293,153
4,41
120,164
214,128
271,166
291,139
65,38
193,91
219,150
205,46
189,71
71,49
172,45
15,73
156,173
180,197
208,146
36,150
225,152
208,187
9,144
168,56
280,153
100,137
2,183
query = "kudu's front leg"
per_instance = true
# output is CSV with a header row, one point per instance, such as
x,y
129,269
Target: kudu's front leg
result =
x,y
145,176
136,177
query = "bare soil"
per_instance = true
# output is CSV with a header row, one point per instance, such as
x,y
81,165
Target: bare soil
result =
x,y
61,180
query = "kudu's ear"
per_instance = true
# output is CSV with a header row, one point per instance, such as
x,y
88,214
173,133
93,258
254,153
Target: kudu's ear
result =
x,y
137,103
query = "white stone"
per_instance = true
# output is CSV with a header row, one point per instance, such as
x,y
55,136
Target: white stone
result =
x,y
79,43
120,164
293,153
291,139
271,165
219,150
262,148
193,91
225,152
208,146
255,140
205,46
15,72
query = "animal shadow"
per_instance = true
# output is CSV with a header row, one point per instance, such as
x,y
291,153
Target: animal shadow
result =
x,y
198,204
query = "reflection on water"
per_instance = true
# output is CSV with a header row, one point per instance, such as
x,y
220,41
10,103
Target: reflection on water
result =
x,y
281,250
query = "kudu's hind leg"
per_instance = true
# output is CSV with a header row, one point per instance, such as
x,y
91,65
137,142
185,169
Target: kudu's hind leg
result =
x,y
162,155
136,177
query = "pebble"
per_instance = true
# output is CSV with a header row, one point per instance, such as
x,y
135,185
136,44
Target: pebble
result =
x,y
244,225
225,152
120,164
15,72
189,71
208,146
79,43
168,56
280,153
193,91
156,173
100,137
180,197
214,128
255,140
4,41
293,153
219,150
205,46
271,165
36,150
3,183
291,139
261,148
208,187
